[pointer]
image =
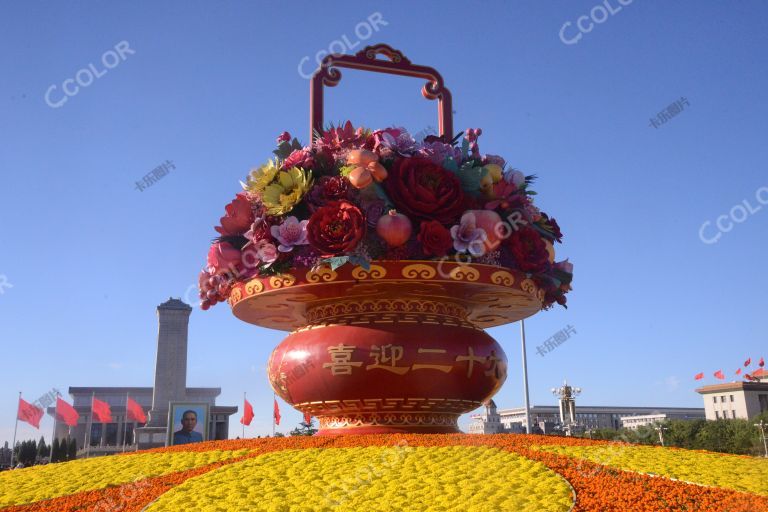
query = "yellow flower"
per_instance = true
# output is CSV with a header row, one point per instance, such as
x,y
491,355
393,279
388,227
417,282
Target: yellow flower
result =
x,y
378,478
749,474
279,190
53,480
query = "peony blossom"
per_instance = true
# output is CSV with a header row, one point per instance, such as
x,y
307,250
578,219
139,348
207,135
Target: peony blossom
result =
x,y
336,228
435,239
223,258
424,190
467,237
238,218
290,233
529,250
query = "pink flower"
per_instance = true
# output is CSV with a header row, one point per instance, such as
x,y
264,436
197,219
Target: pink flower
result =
x,y
468,237
290,233
284,137
259,229
262,252
223,258
300,158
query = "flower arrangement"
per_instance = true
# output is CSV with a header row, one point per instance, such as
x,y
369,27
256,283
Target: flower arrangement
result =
x,y
355,472
356,195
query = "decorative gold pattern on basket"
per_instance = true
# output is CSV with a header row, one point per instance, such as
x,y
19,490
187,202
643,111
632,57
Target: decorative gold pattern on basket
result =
x,y
410,420
503,278
374,272
324,274
281,280
419,271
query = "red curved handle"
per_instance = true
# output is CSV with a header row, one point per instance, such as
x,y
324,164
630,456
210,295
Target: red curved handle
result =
x,y
366,60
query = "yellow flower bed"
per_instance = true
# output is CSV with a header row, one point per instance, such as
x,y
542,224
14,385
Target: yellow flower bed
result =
x,y
749,474
459,478
53,480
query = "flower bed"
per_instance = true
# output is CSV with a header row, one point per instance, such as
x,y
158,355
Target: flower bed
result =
x,y
356,195
735,472
440,470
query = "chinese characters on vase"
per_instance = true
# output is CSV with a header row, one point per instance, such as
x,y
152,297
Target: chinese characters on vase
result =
x,y
386,357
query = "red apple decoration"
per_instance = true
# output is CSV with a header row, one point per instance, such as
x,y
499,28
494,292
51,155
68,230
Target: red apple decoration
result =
x,y
394,228
490,221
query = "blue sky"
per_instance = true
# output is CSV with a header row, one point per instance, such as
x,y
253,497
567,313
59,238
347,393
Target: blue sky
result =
x,y
209,86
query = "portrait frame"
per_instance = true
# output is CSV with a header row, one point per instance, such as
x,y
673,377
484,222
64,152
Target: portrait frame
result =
x,y
175,412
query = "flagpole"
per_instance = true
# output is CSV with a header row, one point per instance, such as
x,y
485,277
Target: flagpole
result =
x,y
274,397
125,417
525,380
53,434
15,428
90,427
241,421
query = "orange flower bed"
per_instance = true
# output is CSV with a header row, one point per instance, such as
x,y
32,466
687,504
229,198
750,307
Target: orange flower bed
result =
x,y
598,487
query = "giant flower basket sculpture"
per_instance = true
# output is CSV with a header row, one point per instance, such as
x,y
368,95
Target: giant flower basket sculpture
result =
x,y
386,258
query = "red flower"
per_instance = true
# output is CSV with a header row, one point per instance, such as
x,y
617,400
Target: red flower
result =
x,y
425,191
529,250
223,258
239,217
328,189
336,228
435,239
300,158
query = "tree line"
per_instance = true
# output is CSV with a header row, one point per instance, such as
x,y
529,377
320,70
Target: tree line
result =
x,y
736,436
30,452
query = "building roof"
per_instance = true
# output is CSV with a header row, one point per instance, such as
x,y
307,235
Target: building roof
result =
x,y
733,386
172,303
81,390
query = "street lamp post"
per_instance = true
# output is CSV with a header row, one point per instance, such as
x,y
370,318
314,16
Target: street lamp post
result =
x,y
762,426
567,395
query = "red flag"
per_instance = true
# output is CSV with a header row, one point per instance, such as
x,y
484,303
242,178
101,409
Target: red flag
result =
x,y
66,413
101,411
719,375
247,413
747,362
749,377
761,363
276,413
307,418
699,376
135,412
738,372
29,413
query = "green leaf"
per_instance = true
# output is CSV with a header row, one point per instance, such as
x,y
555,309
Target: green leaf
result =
x,y
337,261
470,177
464,149
450,164
382,194
359,260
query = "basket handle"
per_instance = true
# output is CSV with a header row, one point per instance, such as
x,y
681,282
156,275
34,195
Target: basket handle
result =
x,y
366,59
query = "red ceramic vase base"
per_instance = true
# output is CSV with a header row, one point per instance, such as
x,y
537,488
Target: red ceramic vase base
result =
x,y
395,374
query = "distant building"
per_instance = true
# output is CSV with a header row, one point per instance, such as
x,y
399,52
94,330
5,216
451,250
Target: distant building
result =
x,y
170,385
743,400
591,417
644,420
